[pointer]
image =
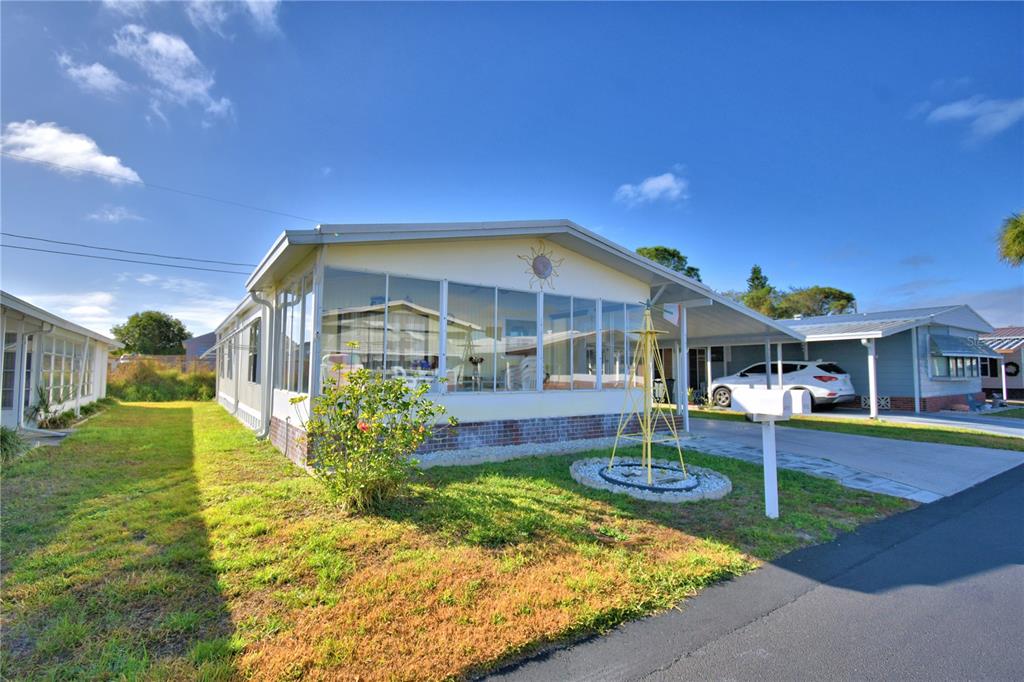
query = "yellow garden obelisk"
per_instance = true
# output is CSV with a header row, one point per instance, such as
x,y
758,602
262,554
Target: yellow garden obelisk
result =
x,y
646,359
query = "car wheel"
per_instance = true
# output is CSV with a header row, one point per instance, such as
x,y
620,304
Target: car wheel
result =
x,y
722,397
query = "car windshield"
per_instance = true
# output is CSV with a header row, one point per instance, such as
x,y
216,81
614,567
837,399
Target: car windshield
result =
x,y
831,368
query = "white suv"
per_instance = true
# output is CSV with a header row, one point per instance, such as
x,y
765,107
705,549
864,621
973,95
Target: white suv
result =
x,y
827,382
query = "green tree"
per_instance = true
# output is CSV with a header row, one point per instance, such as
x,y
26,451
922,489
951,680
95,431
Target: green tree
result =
x,y
1011,240
670,258
815,300
152,333
757,279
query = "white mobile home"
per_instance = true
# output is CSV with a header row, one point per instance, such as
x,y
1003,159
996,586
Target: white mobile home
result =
x,y
522,329
1004,375
45,352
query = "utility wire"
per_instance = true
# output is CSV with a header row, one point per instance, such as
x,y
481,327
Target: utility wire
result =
x,y
122,260
155,186
137,253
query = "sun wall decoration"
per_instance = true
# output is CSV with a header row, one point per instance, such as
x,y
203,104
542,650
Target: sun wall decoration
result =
x,y
543,266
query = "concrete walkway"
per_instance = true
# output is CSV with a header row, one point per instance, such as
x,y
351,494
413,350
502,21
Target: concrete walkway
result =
x,y
919,471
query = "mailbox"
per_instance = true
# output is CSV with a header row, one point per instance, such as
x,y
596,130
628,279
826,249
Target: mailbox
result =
x,y
770,404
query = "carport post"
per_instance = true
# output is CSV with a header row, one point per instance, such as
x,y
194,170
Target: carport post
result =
x,y
1002,374
767,364
707,372
683,372
872,377
778,348
915,351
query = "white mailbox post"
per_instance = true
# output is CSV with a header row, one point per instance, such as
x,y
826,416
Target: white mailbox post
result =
x,y
767,406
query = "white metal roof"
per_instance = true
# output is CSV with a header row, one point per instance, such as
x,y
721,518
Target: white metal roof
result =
x,y
11,302
885,323
1005,339
724,321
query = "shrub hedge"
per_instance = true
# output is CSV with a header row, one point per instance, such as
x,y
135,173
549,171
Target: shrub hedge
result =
x,y
146,381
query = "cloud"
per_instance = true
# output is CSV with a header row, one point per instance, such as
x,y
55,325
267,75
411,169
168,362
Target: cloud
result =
x,y
132,8
113,214
665,187
985,117
90,309
264,14
212,15
916,260
94,77
192,303
75,152
176,72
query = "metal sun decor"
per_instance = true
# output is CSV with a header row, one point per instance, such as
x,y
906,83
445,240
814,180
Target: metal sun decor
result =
x,y
647,359
543,266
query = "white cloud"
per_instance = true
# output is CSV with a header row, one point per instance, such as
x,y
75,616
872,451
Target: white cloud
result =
x,y
126,7
176,72
665,187
90,309
94,77
326,170
985,117
208,15
192,303
264,14
113,214
48,142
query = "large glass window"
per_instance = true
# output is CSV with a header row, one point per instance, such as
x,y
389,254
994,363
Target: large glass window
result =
x,y
517,341
254,352
10,354
352,328
614,367
584,343
471,338
634,323
557,342
26,386
414,328
308,331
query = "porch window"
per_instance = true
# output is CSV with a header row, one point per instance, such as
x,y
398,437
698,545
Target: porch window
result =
x,y
413,328
613,345
634,323
517,341
471,338
557,342
254,352
10,354
352,326
584,343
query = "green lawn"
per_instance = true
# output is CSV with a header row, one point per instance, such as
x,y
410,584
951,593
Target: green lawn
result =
x,y
884,429
162,541
1017,413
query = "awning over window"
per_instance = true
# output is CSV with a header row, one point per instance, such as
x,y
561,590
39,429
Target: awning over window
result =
x,y
960,347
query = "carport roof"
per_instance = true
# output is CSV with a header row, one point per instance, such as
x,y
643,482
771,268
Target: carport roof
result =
x,y
885,323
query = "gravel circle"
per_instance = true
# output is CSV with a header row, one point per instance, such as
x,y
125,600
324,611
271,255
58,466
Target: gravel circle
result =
x,y
712,486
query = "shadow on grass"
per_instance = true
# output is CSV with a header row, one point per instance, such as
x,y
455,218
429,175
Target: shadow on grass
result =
x,y
98,533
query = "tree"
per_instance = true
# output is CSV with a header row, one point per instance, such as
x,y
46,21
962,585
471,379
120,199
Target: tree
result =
x,y
757,279
1011,240
152,333
815,300
670,258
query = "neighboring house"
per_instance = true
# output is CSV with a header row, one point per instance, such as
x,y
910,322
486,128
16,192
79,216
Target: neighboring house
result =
x,y
1005,376
925,359
44,351
197,346
522,329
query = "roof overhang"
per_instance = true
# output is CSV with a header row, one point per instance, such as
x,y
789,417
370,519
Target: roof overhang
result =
x,y
9,302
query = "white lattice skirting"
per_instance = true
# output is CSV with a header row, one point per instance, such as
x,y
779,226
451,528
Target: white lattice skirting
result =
x,y
245,414
884,402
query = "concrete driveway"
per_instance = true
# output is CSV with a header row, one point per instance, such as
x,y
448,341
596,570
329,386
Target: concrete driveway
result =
x,y
939,469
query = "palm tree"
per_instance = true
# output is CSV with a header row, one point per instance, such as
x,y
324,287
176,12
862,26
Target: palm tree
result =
x,y
1011,240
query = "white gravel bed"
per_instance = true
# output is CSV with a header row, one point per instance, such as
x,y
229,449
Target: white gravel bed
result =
x,y
502,453
712,486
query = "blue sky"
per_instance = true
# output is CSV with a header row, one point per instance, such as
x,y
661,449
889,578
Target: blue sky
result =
x,y
872,147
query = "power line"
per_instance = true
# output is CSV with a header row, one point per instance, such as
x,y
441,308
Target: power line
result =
x,y
165,188
137,253
122,260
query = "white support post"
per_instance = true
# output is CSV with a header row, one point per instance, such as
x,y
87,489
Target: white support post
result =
x,y
315,349
1002,374
684,369
599,359
872,379
807,351
707,373
767,364
916,354
441,386
771,481
19,375
778,349
539,372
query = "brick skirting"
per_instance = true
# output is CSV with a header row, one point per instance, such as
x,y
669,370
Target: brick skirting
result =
x,y
291,439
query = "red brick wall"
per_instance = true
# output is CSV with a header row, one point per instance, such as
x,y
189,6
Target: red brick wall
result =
x,y
946,402
479,434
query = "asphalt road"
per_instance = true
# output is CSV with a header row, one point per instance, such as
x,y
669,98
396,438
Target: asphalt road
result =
x,y
933,594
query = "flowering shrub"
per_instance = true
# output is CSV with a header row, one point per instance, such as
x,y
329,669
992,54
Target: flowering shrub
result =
x,y
362,432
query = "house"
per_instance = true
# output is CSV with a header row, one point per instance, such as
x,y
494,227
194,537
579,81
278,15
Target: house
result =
x,y
197,346
523,330
1003,376
920,359
45,352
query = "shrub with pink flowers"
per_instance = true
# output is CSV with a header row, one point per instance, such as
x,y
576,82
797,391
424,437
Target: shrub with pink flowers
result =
x,y
362,432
